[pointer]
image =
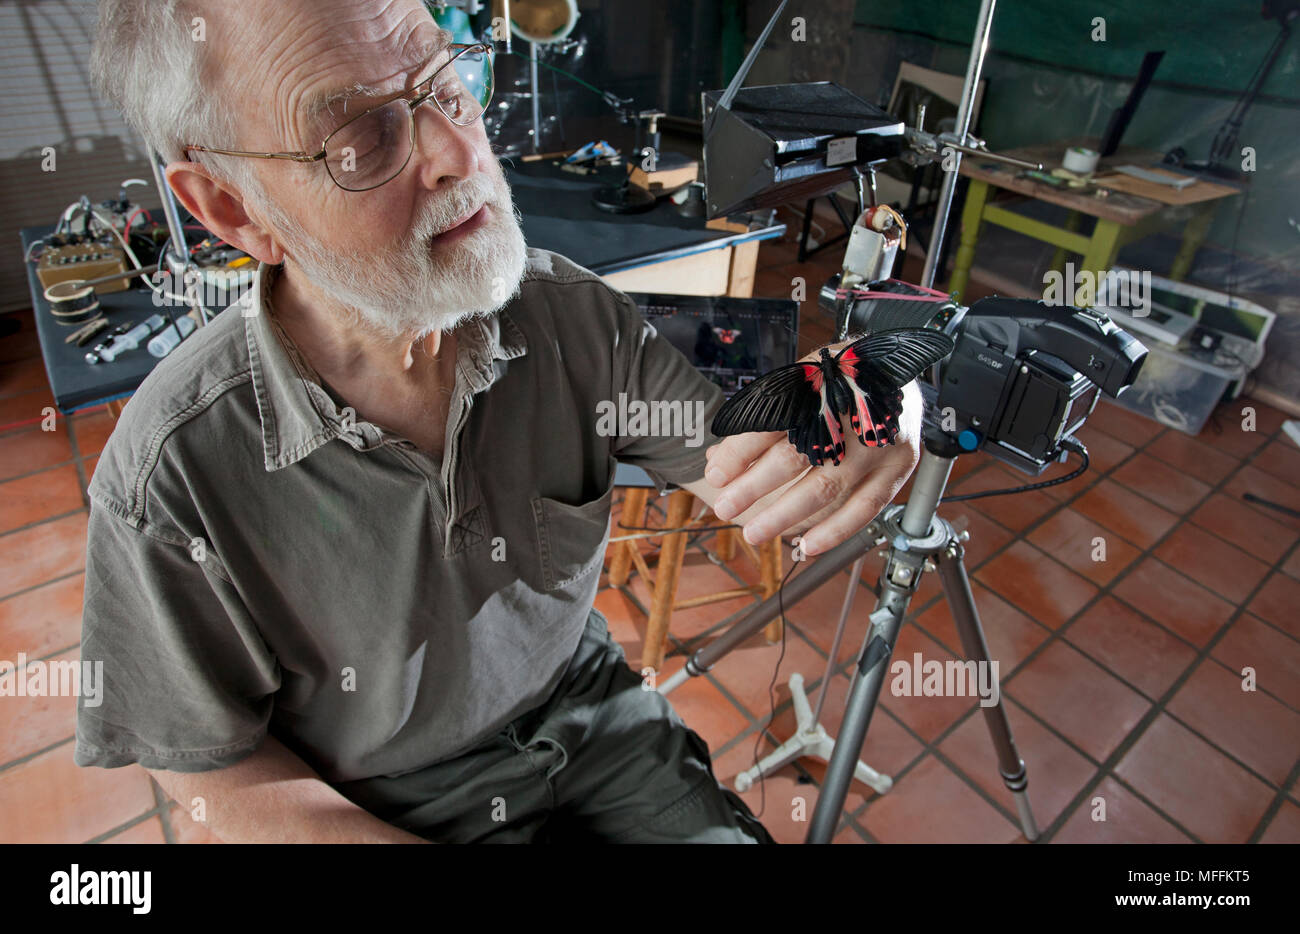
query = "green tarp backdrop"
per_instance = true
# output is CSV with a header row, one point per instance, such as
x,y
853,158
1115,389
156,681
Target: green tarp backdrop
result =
x,y
1048,78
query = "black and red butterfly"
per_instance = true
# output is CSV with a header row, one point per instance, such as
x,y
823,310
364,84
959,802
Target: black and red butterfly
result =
x,y
863,381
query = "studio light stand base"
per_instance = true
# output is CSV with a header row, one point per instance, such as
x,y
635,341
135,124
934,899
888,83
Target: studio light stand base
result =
x,y
810,737
810,740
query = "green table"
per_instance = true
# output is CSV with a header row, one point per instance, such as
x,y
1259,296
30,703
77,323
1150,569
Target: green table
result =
x,y
1121,217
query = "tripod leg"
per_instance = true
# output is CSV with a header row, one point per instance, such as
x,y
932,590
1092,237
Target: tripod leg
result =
x,y
956,587
867,681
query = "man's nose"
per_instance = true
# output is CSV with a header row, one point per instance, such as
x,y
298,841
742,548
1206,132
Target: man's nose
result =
x,y
444,152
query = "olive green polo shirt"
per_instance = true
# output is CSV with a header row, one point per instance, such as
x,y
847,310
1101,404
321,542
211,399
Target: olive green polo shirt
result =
x,y
260,559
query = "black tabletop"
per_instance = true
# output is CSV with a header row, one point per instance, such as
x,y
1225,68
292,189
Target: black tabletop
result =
x,y
557,214
75,383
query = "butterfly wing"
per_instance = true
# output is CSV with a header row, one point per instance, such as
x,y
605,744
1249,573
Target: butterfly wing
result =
x,y
869,376
791,398
776,401
875,368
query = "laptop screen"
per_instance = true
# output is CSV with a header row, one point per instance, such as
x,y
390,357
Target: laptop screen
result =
x,y
730,340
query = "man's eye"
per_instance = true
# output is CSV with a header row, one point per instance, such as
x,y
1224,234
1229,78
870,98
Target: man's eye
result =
x,y
450,97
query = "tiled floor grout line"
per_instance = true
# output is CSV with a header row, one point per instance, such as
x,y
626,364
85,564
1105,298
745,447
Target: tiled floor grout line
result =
x,y
59,651
163,804
14,763
120,828
46,583
1276,805
39,522
70,462
9,397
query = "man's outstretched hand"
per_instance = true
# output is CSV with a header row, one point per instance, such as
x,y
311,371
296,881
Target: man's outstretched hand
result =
x,y
760,481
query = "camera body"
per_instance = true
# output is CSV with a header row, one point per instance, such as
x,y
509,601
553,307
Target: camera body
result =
x,y
1023,377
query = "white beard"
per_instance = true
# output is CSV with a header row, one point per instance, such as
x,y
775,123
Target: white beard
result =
x,y
410,292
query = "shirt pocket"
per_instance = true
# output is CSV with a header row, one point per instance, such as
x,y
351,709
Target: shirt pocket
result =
x,y
571,538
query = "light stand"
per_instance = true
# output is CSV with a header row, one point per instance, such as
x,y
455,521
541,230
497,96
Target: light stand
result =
x,y
810,738
974,65
1223,150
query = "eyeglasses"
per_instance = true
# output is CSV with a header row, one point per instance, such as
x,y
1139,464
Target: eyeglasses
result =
x,y
374,147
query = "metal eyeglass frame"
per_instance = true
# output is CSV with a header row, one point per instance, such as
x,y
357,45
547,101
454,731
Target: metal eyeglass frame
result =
x,y
414,98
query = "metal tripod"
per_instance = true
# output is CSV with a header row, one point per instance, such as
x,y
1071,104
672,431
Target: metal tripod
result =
x,y
917,540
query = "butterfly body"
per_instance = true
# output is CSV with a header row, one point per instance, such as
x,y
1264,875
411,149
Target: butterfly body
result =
x,y
809,399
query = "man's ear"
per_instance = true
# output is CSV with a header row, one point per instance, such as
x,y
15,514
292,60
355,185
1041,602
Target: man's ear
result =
x,y
221,209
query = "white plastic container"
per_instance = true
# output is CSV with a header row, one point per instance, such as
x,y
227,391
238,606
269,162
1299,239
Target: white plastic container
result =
x,y
1179,389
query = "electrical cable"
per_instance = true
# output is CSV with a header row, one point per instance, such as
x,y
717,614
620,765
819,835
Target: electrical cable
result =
x,y
1070,444
655,532
771,692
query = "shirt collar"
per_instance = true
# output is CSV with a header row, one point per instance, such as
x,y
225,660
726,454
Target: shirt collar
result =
x,y
298,415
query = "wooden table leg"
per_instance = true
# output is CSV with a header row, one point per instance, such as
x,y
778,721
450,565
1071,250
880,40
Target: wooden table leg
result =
x,y
1102,250
633,509
971,218
666,576
1193,236
770,570
1058,258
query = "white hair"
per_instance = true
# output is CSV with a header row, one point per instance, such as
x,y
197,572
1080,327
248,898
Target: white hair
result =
x,y
147,61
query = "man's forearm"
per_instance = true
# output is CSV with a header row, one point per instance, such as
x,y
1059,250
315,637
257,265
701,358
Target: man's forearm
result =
x,y
274,797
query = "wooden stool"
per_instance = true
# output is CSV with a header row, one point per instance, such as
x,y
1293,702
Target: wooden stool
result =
x,y
663,585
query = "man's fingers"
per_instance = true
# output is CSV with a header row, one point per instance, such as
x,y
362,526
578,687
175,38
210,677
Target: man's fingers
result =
x,y
775,467
730,457
860,508
861,485
820,488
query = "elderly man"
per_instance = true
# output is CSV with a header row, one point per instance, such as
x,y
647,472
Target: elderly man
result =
x,y
345,541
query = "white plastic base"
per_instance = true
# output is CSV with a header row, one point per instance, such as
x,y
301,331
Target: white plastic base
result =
x,y
810,739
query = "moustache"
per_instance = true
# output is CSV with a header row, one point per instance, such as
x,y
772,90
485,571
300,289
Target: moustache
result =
x,y
465,199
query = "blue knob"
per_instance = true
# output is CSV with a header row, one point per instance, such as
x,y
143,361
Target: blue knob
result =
x,y
968,440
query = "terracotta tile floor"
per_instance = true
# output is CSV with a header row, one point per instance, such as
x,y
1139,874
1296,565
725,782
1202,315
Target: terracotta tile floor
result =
x,y
1123,679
